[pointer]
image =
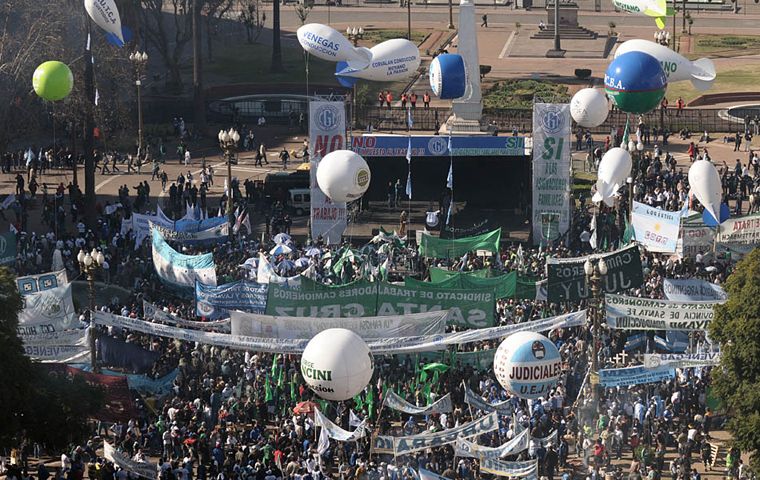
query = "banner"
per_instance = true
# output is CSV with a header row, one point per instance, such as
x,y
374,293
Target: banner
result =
x,y
552,164
378,145
141,469
504,285
639,375
692,290
567,280
215,234
48,311
741,231
479,360
71,346
217,302
475,401
267,326
696,238
656,229
180,271
356,299
152,312
7,248
634,313
494,466
140,225
327,133
335,432
681,360
423,441
443,405
465,448
118,402
449,231
43,281
431,246
423,343
140,383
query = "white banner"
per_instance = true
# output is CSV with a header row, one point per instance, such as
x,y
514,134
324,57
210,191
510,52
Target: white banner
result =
x,y
140,225
155,313
552,164
335,432
269,326
633,313
443,405
217,233
423,343
41,282
694,239
327,133
423,441
741,231
465,448
655,229
692,290
61,347
473,400
494,466
681,360
48,311
142,469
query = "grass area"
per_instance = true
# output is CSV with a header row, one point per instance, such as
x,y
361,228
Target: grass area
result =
x,y
736,44
743,79
373,37
520,93
249,63
582,182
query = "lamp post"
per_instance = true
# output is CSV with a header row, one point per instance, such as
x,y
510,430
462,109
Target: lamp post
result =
x,y
595,270
228,142
355,34
409,20
451,16
139,60
89,264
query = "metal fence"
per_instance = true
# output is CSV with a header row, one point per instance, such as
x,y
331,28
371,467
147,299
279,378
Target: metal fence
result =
x,y
396,118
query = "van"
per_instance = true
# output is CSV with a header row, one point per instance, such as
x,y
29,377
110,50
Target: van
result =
x,y
300,200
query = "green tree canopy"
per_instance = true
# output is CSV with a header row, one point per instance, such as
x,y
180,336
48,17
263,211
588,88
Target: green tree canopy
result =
x,y
736,327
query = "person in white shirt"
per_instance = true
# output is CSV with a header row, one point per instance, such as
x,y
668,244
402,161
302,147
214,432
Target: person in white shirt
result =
x,y
187,158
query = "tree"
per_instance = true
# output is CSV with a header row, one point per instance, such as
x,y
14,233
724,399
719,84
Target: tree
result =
x,y
302,11
276,47
252,17
737,380
168,26
44,409
214,10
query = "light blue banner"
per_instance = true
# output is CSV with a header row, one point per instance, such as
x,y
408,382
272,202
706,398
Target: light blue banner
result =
x,y
187,225
216,302
41,282
179,271
640,375
139,383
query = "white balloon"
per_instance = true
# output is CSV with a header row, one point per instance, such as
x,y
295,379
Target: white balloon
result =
x,y
105,14
589,107
614,168
329,44
527,364
704,182
337,364
394,59
343,176
677,68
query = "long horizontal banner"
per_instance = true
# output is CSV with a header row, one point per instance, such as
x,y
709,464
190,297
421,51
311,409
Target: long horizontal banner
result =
x,y
634,313
692,290
437,146
57,347
415,443
473,400
639,375
217,302
180,271
435,247
335,432
43,281
443,405
681,360
155,313
494,466
267,326
465,448
141,383
141,469
215,234
743,231
378,346
567,279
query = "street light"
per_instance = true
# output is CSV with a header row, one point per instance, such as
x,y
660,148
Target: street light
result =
x,y
89,264
140,61
355,34
228,142
596,271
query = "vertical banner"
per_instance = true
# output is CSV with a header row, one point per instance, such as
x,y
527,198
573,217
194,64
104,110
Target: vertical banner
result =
x,y
551,171
327,133
7,248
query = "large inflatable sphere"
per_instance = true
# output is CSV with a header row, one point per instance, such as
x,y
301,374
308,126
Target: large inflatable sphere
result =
x,y
53,80
527,364
343,176
448,76
337,364
589,107
635,82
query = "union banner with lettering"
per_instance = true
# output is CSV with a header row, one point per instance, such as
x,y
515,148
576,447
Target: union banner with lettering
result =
x,y
634,313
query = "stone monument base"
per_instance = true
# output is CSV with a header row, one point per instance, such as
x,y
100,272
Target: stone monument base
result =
x,y
456,125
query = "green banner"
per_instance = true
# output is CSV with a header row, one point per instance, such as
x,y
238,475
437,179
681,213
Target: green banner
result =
x,y
472,308
503,285
480,360
312,299
440,248
7,248
440,274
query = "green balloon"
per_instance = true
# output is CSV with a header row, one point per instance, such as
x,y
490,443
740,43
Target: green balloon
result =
x,y
53,80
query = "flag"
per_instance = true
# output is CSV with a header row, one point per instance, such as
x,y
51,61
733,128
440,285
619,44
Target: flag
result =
x,y
629,233
267,391
358,401
292,391
450,176
426,391
409,168
428,475
247,222
88,43
409,119
281,377
624,142
97,97
635,341
324,441
274,365
353,419
448,145
370,402
593,240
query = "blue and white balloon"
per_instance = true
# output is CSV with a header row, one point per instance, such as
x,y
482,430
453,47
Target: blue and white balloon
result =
x,y
527,364
448,76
